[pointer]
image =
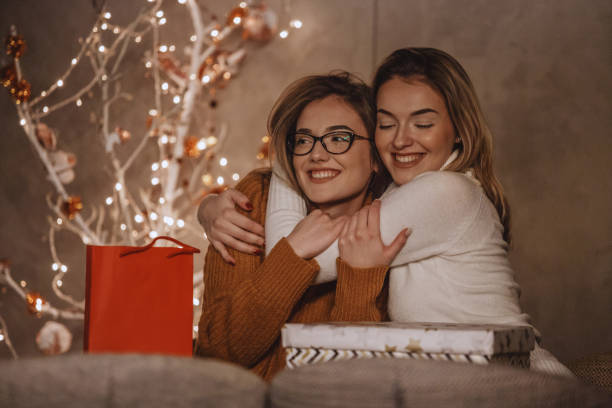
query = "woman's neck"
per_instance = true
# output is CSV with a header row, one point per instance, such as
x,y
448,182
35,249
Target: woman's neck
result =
x,y
344,207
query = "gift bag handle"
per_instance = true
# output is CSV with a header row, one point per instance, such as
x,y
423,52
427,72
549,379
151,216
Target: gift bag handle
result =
x,y
186,248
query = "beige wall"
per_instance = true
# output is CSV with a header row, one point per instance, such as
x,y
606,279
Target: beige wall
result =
x,y
542,71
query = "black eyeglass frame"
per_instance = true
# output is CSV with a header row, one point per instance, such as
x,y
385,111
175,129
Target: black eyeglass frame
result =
x,y
353,136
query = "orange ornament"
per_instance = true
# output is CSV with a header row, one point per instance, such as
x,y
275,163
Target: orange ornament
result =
x,y
15,46
191,147
72,206
21,91
236,16
35,302
8,75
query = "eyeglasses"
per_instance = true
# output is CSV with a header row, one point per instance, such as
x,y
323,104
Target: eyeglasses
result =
x,y
337,142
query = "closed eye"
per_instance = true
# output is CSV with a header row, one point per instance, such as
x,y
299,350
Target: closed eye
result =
x,y
421,126
383,127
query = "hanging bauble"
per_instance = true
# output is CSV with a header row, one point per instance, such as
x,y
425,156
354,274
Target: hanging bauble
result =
x,y
62,163
8,75
191,147
236,16
260,25
71,206
21,91
46,136
15,46
54,338
35,302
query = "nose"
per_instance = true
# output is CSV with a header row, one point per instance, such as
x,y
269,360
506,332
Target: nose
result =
x,y
403,138
318,152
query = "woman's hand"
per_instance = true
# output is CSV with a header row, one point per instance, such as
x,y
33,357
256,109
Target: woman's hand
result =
x,y
225,226
360,243
315,233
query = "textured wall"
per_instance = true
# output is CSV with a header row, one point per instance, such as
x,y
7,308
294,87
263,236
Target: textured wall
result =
x,y
542,71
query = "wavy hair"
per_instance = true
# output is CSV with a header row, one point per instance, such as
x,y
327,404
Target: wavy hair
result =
x,y
475,147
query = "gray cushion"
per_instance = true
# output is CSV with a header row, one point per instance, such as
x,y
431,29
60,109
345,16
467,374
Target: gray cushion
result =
x,y
127,380
419,383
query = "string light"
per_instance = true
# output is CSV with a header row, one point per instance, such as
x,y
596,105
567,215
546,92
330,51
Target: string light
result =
x,y
159,14
162,200
155,166
165,164
23,284
237,20
169,220
64,268
101,48
153,216
107,15
296,24
193,38
162,21
116,30
163,139
235,176
138,39
153,234
182,1
180,223
74,61
201,145
22,122
205,79
214,33
46,109
165,86
283,34
152,112
104,77
104,26
220,180
109,200
195,329
192,77
196,302
155,181
59,221
163,48
207,179
223,162
59,283
54,266
172,48
243,4
60,83
176,100
2,335
123,227
138,218
148,64
211,140
118,186
79,102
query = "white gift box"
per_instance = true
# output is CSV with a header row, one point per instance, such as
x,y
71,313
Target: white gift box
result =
x,y
479,344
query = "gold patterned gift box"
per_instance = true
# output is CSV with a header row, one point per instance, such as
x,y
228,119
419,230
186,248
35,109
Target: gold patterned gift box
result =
x,y
469,343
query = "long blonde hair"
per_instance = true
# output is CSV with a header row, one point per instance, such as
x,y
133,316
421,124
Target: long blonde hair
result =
x,y
475,147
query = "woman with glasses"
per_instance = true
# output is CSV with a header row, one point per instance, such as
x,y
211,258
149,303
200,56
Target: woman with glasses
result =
x,y
322,128
433,140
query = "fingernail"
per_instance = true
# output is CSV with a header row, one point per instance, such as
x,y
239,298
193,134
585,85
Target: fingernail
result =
x,y
249,206
232,262
258,251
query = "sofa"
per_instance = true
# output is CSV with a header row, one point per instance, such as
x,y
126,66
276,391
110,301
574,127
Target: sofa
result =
x,y
133,380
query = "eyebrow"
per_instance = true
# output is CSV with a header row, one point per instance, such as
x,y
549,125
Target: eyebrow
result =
x,y
328,129
415,113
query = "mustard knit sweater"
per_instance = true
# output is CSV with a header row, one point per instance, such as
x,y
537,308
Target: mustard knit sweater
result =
x,y
246,305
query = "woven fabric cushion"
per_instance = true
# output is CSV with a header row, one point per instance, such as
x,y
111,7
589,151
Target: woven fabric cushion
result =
x,y
596,369
130,380
418,383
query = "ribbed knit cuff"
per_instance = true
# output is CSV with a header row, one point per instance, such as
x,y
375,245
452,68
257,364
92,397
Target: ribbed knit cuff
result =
x,y
357,290
284,276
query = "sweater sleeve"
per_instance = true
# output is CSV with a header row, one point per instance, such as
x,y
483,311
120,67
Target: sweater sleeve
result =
x,y
360,293
246,304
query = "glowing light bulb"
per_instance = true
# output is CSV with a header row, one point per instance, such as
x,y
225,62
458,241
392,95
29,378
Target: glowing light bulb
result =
x,y
101,48
220,180
46,109
205,79
79,102
64,268
74,61
43,93
182,1
201,144
283,34
123,227
193,38
138,39
153,216
195,329
109,200
159,14
55,266
153,234
148,64
59,221
165,86
211,140
163,139
162,200
192,77
214,33
296,24
118,186
22,122
169,220
180,223
138,218
155,181
59,283
116,30
207,179
104,26
163,48
104,77
155,166
235,176
172,48
176,100
223,162
23,284
152,112
196,302
162,21
60,83
107,15
165,163
236,20
243,4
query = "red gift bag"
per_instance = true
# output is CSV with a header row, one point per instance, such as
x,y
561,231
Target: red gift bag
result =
x,y
139,299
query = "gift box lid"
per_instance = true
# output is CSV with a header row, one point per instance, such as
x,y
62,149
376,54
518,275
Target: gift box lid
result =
x,y
412,337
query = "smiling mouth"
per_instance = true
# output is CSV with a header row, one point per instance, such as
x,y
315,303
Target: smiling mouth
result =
x,y
322,175
407,160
